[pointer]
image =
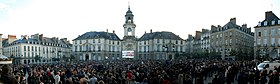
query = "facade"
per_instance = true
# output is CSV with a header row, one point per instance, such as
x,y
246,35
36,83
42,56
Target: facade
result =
x,y
267,37
205,40
108,46
160,46
189,45
197,43
232,40
26,49
1,48
97,46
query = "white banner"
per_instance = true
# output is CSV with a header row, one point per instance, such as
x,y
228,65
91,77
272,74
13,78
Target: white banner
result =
x,y
127,54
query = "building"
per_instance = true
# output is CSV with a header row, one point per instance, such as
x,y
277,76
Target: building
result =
x,y
205,40
232,40
1,48
267,37
36,49
198,46
160,46
108,46
189,46
97,46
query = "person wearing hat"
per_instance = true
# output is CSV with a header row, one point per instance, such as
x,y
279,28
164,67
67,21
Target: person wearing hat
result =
x,y
6,77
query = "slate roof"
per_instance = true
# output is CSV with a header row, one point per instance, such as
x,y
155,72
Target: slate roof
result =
x,y
95,35
45,40
160,35
269,17
231,25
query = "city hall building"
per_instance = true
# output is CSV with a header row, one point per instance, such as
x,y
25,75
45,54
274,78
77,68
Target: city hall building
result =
x,y
108,46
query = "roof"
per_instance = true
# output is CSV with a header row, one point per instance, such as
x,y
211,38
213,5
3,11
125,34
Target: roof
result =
x,y
45,40
231,25
95,35
160,35
269,17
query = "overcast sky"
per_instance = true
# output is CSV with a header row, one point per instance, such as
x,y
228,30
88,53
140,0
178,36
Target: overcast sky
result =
x,y
70,18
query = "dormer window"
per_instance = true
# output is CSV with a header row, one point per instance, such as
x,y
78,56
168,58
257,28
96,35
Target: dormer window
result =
x,y
259,24
265,23
272,22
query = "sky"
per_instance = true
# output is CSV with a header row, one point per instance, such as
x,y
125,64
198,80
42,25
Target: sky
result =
x,y
71,18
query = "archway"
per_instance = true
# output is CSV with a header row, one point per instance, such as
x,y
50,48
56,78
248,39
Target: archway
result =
x,y
87,57
170,56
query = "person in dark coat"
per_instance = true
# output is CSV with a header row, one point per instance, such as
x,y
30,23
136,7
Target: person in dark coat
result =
x,y
216,80
6,76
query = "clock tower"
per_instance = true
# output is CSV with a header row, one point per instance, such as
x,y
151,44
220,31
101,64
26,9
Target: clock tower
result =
x,y
129,42
129,26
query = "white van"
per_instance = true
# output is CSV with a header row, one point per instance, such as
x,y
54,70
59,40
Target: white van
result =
x,y
268,65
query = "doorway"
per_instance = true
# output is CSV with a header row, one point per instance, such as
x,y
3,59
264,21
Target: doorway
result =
x,y
87,57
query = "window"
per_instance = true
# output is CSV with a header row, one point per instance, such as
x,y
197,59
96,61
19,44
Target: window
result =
x,y
265,32
158,47
113,48
157,40
272,32
226,41
230,33
76,48
272,41
265,23
259,34
99,41
35,48
217,36
272,22
278,42
24,48
99,48
230,41
93,41
221,35
28,48
278,32
80,48
80,42
278,21
265,41
32,48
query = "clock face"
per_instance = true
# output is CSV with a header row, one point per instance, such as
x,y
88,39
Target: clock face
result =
x,y
129,29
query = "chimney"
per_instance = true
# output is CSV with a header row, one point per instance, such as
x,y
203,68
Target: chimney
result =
x,y
107,30
233,20
244,26
145,32
151,31
269,14
41,37
113,31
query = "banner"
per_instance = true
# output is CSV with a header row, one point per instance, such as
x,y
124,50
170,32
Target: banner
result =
x,y
127,54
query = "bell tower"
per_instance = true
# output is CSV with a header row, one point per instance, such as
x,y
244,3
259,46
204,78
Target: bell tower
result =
x,y
129,26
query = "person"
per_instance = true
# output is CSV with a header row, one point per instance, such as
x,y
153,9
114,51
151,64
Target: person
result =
x,y
56,78
6,77
92,79
216,80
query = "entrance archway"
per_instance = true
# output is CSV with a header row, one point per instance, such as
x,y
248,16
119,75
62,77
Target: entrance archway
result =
x,y
169,56
87,57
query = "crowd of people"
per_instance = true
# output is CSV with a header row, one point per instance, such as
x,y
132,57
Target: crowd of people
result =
x,y
140,72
